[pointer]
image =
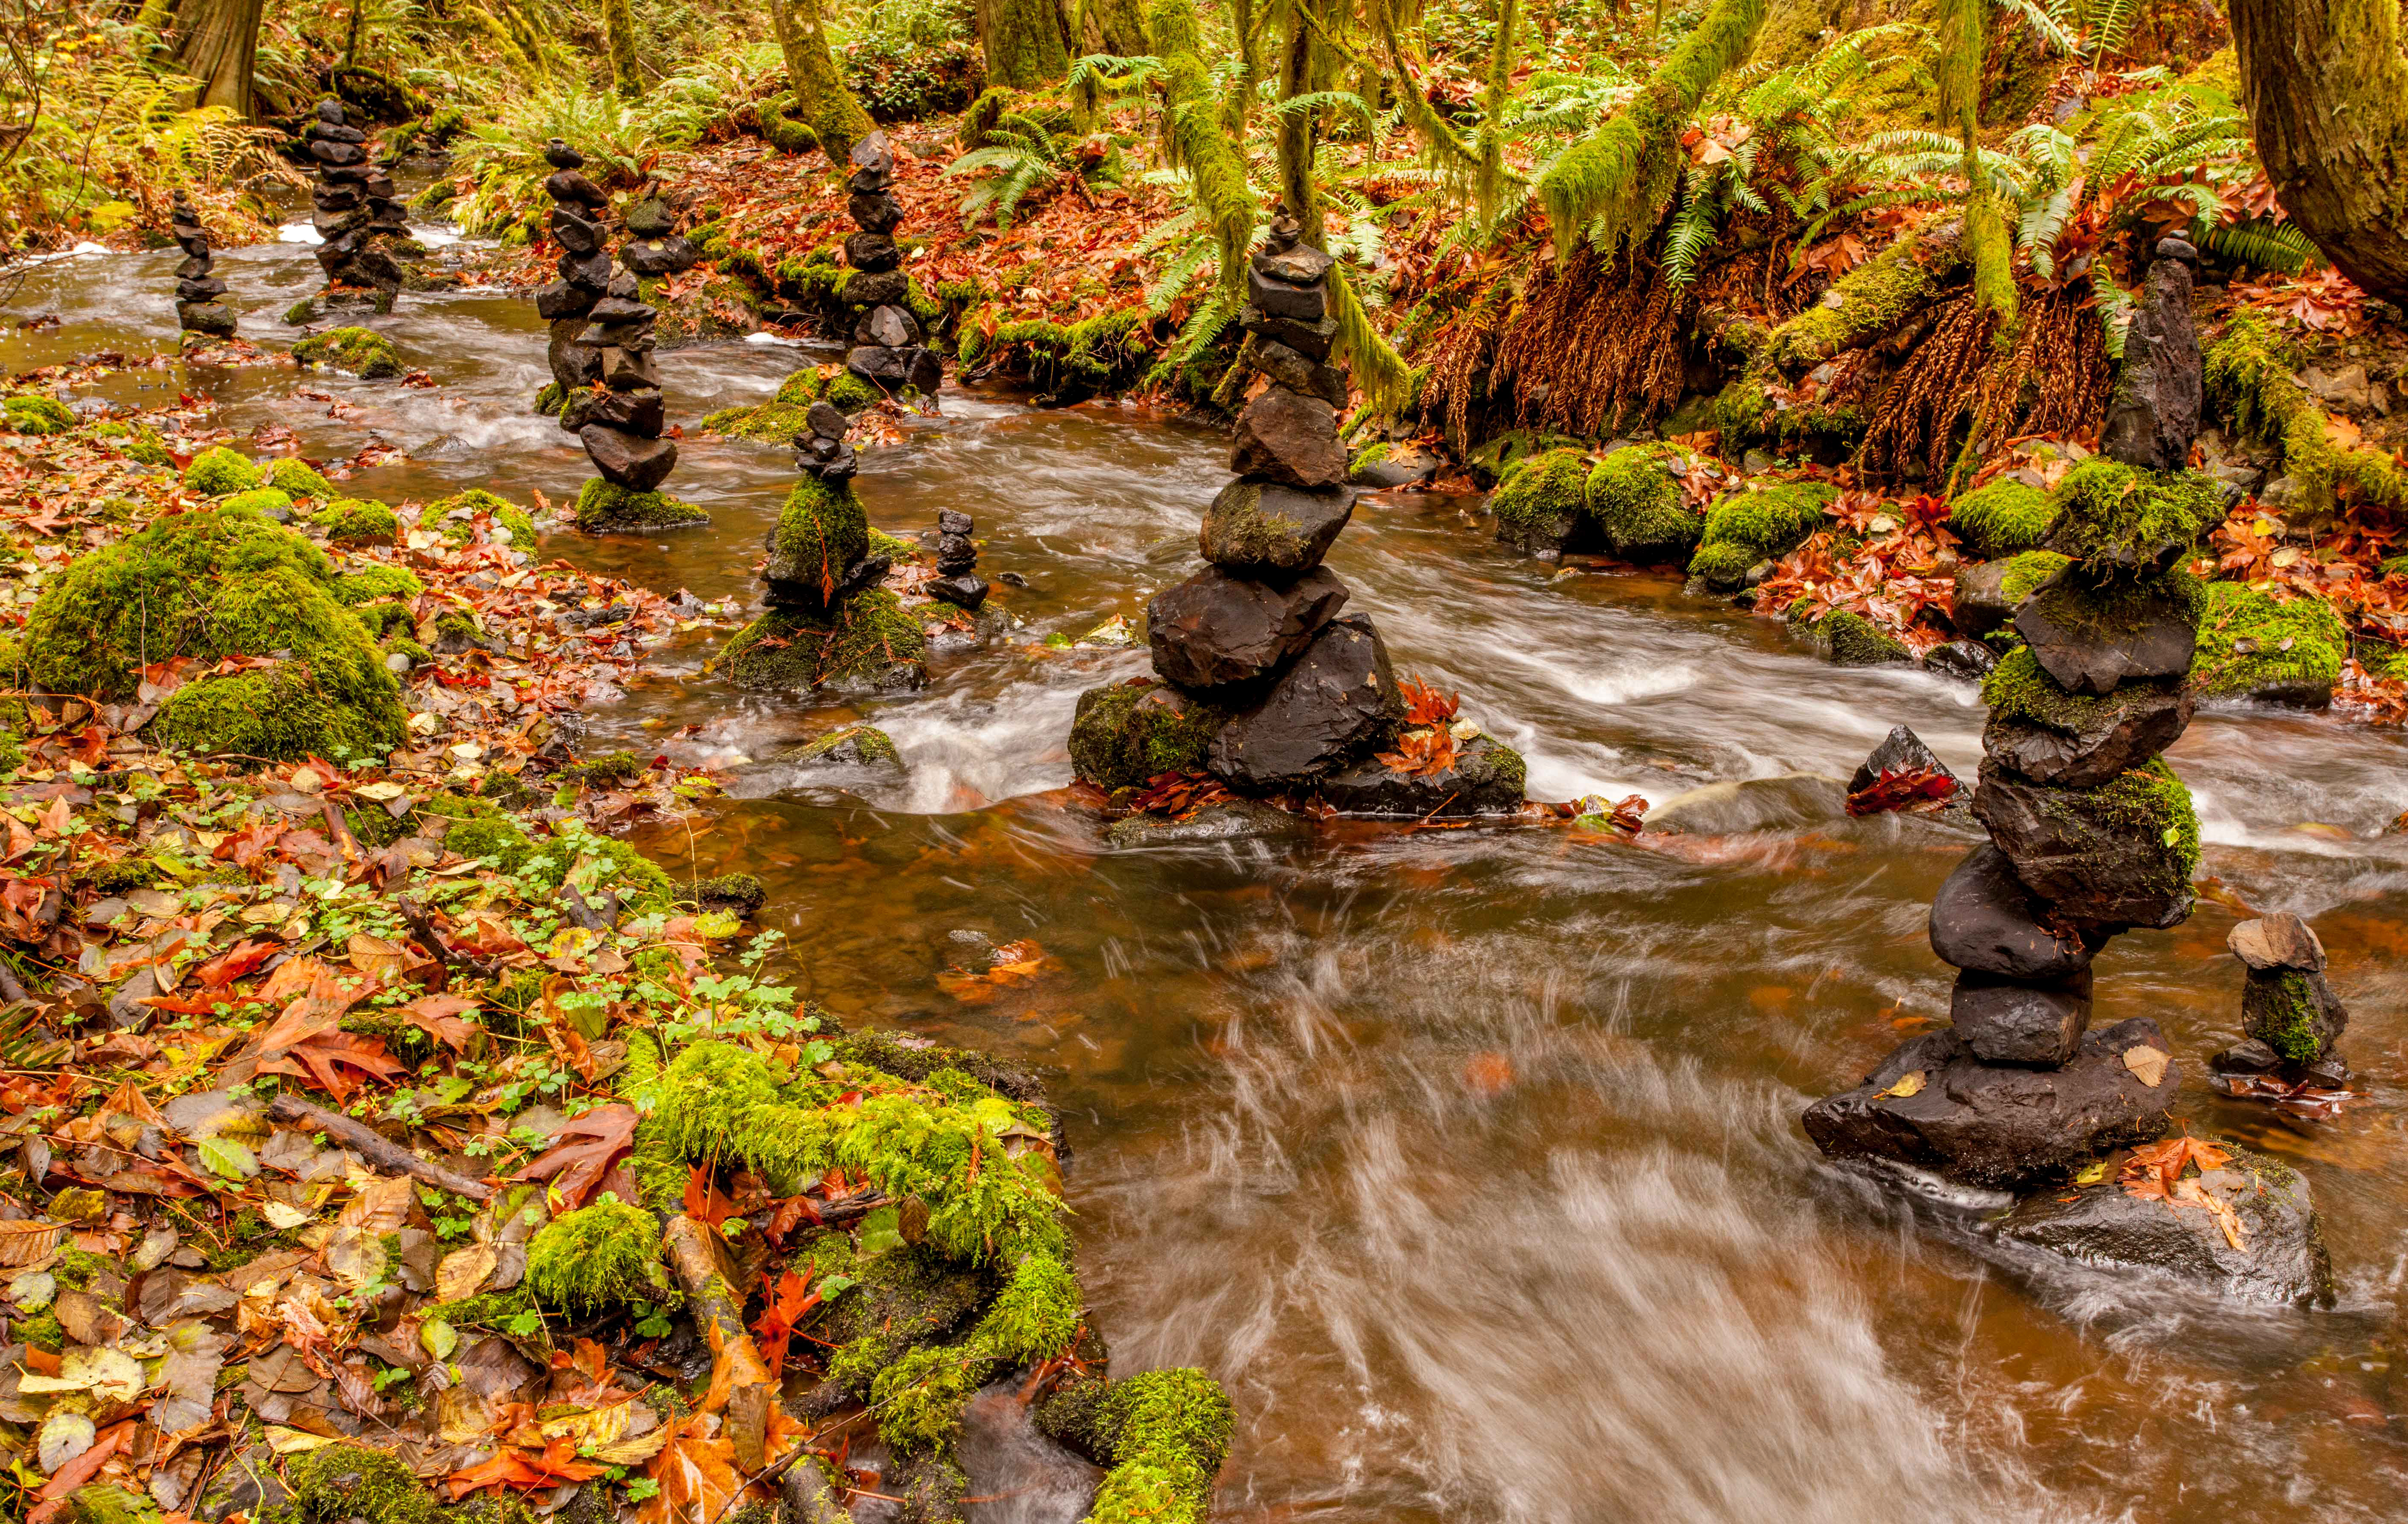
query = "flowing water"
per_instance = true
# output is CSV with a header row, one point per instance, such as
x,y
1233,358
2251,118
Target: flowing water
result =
x,y
1468,1159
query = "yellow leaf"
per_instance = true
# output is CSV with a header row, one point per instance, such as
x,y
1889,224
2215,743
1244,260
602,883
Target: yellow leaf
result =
x,y
2147,1064
1909,1084
294,1441
464,1270
2341,431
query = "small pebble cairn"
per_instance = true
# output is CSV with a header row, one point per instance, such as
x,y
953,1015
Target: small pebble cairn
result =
x,y
585,273
819,585
957,581
2292,1017
653,246
887,351
197,308
357,218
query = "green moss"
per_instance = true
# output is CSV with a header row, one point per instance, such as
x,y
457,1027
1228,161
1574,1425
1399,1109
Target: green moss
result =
x,y
2151,802
266,501
1764,524
2289,1023
1164,1435
1635,502
883,543
1126,733
217,471
359,521
478,830
606,770
296,479
1870,301
2250,380
741,891
871,745
363,351
606,508
340,1482
2249,642
821,531
1544,497
516,520
549,398
600,1256
2004,518
2111,515
2026,572
869,641
210,584
852,395
374,582
2019,688
1851,640
31,412
1723,567
42,1330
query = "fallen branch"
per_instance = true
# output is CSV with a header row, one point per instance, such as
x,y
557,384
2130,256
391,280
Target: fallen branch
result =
x,y
376,1147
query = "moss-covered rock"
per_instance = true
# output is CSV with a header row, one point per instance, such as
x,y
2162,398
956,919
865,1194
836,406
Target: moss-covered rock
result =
x,y
364,352
604,508
31,412
217,471
2252,645
268,500
1746,527
1163,1436
1851,640
2026,573
1126,733
605,1255
98,1503
338,1482
743,893
359,521
869,645
2113,517
375,582
853,746
2002,519
210,584
1634,500
1540,503
295,479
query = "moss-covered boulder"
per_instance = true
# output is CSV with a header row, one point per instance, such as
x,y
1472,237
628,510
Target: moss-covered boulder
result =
x,y
606,508
1540,503
868,644
1127,732
2112,517
217,473
2253,645
295,479
1850,640
2002,519
359,521
1750,526
863,746
364,352
822,530
338,1482
1634,502
31,412
2120,853
212,584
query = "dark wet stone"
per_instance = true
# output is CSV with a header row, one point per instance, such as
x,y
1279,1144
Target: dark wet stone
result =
x,y
344,174
1983,919
873,155
871,252
1233,820
2282,1257
200,291
1981,604
2280,941
2159,389
628,371
892,370
2293,1011
874,211
574,188
955,553
668,256
622,285
887,327
962,590
1968,659
1287,367
2011,1021
651,218
1900,751
573,233
1333,703
1288,437
561,156
640,412
626,459
574,365
1991,1125
1214,629
193,268
875,288
1274,297
1486,779
1313,340
1401,466
587,272
327,132
2114,735
335,197
1296,266
2084,852
2089,640
827,420
619,309
337,153
215,319
1266,529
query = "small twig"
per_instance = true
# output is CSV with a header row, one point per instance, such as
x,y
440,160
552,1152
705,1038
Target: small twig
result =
x,y
376,1147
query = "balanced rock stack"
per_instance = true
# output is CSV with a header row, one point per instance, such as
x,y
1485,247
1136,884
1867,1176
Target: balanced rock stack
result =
x,y
957,581
197,308
1263,681
829,623
2291,1015
584,269
2091,834
887,351
358,220
653,246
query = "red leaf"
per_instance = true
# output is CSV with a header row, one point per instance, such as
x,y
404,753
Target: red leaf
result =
x,y
575,1168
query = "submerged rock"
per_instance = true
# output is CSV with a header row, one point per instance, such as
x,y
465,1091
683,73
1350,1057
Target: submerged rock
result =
x,y
1233,820
861,746
1487,778
1792,801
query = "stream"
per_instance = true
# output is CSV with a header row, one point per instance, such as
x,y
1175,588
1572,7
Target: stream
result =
x,y
1468,1160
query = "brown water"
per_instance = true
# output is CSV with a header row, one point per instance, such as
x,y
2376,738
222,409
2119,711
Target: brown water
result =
x,y
1468,1160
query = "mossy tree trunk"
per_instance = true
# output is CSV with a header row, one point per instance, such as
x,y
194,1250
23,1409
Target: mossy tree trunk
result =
x,y
218,44
821,98
1116,27
1298,129
619,24
2327,94
1023,43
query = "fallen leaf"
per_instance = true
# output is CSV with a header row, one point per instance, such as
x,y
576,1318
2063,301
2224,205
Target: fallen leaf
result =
x,y
2147,1064
1909,1084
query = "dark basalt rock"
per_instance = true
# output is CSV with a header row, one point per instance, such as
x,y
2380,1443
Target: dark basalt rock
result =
x,y
622,285
574,365
873,155
325,132
1968,659
1403,465
1214,629
2011,1021
2282,1259
1986,1124
335,197
627,460
337,153
1233,820
1334,702
2115,734
954,552
871,252
587,272
963,590
2246,1056
1900,751
1301,265
1288,437
619,309
1287,367
628,371
892,370
2085,852
560,300
1486,779
1264,529
668,257
875,288
573,233
874,211
1984,920
561,156
2154,415
344,174
2090,640
639,413
1278,298
1981,603
200,291
887,327
1313,341
568,185
215,319
636,336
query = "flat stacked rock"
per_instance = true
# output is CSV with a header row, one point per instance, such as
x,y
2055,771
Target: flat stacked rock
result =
x,y
887,350
198,311
358,219
2292,1017
653,246
585,273
957,581
2091,834
1263,679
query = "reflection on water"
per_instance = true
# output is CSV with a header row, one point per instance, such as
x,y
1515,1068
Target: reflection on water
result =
x,y
1468,1159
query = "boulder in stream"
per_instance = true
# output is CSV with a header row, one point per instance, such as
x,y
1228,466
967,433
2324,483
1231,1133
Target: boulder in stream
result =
x,y
1487,778
1231,820
1215,629
1333,704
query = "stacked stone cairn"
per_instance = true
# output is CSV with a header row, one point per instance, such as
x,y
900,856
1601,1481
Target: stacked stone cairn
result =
x,y
584,269
197,308
957,581
1262,681
829,623
887,351
2292,1017
653,249
358,220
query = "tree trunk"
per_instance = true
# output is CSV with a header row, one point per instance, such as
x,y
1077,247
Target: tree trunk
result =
x,y
1025,49
821,98
619,20
1119,26
1297,129
2328,96
218,46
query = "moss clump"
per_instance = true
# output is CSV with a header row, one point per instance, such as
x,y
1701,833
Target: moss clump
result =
x,y
102,1503
741,892
2250,378
606,770
1764,524
1538,505
2290,1013
883,543
31,412
868,643
359,521
604,508
218,471
296,478
1126,733
266,501
218,582
2252,645
852,395
2026,572
822,530
1163,1434
364,352
2004,518
351,1481
2019,688
1723,567
2114,516
1635,502
920,1395
1851,640
855,745
549,399
375,582
600,1256
771,422
479,831
2151,802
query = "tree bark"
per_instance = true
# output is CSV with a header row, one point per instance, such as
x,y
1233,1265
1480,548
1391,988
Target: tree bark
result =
x,y
1023,42
2328,96
821,98
618,18
218,46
